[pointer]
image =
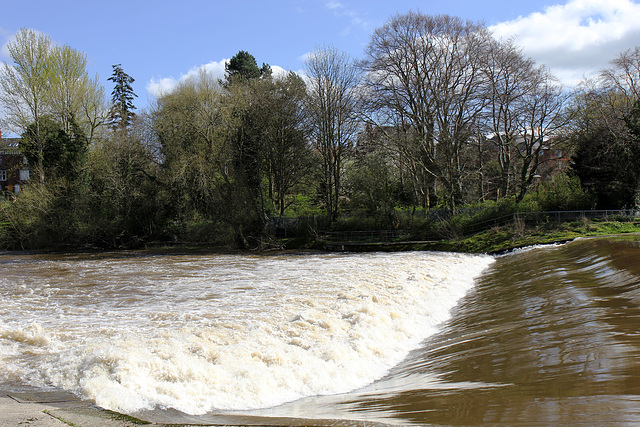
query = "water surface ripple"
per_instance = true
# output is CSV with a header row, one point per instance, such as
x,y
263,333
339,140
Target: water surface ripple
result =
x,y
549,336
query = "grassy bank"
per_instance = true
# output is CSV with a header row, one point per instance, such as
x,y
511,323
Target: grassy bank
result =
x,y
497,239
501,239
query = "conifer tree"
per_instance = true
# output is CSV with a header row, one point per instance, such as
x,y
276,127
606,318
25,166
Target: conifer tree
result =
x,y
244,66
121,114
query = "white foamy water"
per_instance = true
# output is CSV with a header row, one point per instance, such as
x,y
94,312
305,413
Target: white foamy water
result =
x,y
217,332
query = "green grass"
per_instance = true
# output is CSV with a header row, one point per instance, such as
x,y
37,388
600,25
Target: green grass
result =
x,y
505,238
501,239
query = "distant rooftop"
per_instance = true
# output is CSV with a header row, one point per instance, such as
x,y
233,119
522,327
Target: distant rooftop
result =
x,y
10,146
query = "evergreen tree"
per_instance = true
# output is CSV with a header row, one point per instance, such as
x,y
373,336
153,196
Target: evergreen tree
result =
x,y
607,166
244,66
243,81
121,114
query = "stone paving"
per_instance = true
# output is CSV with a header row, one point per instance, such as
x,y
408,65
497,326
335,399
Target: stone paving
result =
x,y
56,409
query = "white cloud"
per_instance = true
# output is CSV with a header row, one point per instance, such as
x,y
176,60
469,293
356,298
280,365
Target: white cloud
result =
x,y
334,5
4,50
159,87
578,38
162,86
9,37
5,37
354,16
278,72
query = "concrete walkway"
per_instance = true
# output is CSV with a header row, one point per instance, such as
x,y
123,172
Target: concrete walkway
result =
x,y
56,409
62,409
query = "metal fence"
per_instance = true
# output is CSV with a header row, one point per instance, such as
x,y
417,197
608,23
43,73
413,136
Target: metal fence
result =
x,y
471,227
365,236
314,225
551,216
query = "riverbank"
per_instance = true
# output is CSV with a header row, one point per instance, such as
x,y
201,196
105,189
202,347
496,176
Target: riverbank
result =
x,y
496,240
505,239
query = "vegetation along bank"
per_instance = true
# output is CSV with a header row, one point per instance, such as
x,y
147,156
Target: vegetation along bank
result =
x,y
429,140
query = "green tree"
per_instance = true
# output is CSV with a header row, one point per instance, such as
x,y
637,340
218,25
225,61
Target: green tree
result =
x,y
121,114
245,83
48,80
604,133
74,95
607,167
194,124
244,66
122,206
563,193
605,155
50,212
284,135
373,187
61,153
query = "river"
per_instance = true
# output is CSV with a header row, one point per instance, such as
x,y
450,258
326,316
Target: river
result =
x,y
545,335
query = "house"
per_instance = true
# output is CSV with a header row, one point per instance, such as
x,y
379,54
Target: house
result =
x,y
14,170
553,160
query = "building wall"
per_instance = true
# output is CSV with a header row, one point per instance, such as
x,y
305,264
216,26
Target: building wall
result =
x,y
14,170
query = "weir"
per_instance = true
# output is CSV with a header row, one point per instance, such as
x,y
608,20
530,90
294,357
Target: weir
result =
x,y
545,334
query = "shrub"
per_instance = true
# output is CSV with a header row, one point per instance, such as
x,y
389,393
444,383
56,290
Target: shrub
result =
x,y
564,193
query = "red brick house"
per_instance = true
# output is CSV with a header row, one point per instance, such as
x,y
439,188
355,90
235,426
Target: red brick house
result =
x,y
553,160
14,170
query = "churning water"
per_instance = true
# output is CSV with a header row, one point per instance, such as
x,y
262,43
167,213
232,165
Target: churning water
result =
x,y
544,336
197,334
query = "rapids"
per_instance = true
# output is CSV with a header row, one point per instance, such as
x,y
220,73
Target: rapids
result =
x,y
547,335
202,333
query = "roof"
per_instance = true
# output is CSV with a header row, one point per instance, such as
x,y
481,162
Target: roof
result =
x,y
10,146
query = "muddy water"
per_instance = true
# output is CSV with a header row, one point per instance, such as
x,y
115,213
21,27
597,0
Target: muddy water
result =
x,y
203,333
548,335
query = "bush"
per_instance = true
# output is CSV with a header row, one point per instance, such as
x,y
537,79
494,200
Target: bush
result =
x,y
302,205
564,193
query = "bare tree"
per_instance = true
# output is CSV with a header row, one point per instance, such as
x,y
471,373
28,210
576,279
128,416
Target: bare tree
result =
x,y
424,76
623,77
25,85
523,113
542,119
332,108
509,77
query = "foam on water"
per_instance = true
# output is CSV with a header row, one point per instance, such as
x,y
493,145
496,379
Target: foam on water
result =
x,y
222,332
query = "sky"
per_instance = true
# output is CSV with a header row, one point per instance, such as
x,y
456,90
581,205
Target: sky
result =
x,y
160,42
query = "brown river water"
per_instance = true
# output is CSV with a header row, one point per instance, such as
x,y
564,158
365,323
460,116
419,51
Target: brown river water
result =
x,y
547,335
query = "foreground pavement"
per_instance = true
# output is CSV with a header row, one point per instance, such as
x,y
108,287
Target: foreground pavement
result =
x,y
56,409
62,409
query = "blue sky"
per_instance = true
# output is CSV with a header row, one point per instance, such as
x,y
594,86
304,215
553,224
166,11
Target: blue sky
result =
x,y
159,42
